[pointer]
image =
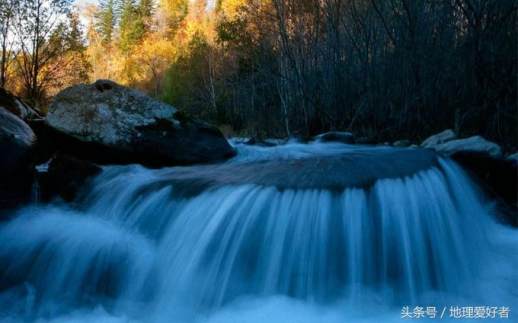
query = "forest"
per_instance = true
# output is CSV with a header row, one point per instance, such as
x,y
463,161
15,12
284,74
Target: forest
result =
x,y
251,161
382,69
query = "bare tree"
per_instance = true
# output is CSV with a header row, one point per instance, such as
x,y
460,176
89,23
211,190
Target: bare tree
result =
x,y
37,27
8,9
381,68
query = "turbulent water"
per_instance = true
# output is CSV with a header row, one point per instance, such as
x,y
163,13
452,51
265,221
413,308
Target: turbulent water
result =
x,y
293,233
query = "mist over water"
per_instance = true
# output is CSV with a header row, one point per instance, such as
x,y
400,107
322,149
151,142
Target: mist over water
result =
x,y
218,244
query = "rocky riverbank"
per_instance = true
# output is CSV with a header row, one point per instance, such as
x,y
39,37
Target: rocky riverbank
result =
x,y
106,123
99,123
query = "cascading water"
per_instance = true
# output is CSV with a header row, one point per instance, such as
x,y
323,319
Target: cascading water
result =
x,y
293,233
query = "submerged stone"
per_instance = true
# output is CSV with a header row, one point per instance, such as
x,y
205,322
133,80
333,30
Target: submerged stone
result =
x,y
347,170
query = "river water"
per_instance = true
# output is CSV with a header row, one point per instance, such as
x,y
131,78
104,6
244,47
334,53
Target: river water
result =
x,y
297,233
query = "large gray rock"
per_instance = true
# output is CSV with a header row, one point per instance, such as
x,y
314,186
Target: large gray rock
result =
x,y
440,138
475,144
107,122
16,142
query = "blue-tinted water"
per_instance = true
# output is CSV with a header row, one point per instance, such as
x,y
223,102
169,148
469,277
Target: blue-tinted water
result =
x,y
134,250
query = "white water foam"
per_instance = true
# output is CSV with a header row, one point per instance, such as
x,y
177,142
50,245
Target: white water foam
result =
x,y
249,253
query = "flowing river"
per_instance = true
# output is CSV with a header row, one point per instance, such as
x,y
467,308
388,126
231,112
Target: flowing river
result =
x,y
296,233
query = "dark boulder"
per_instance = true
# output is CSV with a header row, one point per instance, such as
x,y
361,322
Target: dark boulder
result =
x,y
108,123
66,176
17,107
484,161
16,167
498,176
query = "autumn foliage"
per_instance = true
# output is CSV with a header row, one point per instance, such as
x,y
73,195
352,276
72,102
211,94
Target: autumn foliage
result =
x,y
384,69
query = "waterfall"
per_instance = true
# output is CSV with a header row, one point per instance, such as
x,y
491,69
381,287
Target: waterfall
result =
x,y
294,233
